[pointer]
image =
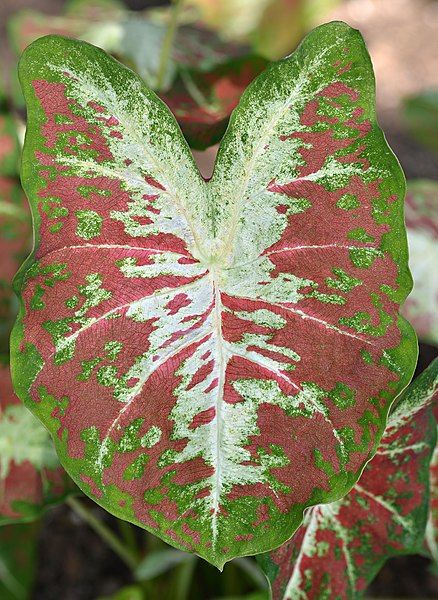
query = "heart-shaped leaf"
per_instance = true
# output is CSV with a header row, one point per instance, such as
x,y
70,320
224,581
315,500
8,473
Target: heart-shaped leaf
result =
x,y
202,102
30,475
341,546
421,210
212,358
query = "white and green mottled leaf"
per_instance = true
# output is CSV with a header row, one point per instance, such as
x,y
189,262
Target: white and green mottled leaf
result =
x,y
192,346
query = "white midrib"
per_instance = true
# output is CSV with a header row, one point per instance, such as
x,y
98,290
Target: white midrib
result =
x,y
217,426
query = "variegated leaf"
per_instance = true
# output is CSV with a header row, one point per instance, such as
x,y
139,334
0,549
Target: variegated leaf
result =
x,y
422,224
212,358
432,524
341,546
202,102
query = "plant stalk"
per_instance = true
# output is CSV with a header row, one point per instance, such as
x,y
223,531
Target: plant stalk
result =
x,y
169,38
110,538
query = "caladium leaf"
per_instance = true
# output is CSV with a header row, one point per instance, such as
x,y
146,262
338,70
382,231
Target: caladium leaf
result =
x,y
202,102
18,556
212,357
432,524
421,211
342,545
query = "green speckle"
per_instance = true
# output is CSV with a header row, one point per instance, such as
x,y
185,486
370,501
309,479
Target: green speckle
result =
x,y
152,437
129,440
65,353
56,227
296,206
342,396
363,258
72,302
89,224
327,298
322,549
86,190
343,282
362,321
113,349
366,357
36,303
62,120
136,469
361,235
153,496
107,376
167,458
87,368
348,202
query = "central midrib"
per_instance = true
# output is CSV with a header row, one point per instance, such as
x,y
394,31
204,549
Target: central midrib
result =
x,y
221,359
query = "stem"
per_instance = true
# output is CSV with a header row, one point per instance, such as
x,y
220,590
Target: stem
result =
x,y
252,570
184,578
166,48
104,532
127,531
11,583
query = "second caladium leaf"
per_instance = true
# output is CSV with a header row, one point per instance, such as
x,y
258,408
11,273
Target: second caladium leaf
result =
x,y
341,546
212,357
432,524
30,475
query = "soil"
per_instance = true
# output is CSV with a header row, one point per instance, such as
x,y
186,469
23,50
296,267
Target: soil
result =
x,y
73,562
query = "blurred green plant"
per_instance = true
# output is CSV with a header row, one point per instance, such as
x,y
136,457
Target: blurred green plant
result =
x,y
271,27
421,116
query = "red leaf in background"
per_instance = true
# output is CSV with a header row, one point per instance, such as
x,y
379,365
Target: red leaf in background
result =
x,y
30,474
203,101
